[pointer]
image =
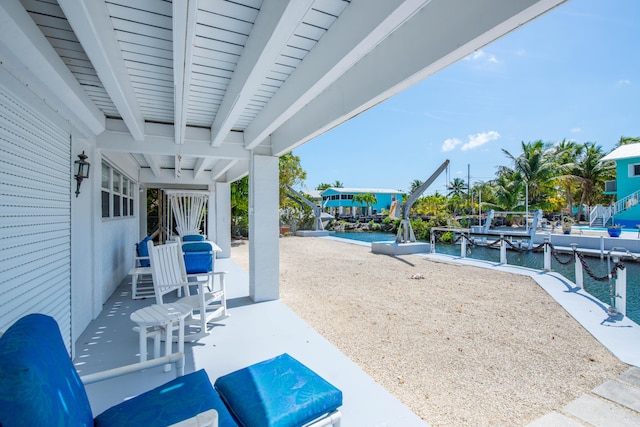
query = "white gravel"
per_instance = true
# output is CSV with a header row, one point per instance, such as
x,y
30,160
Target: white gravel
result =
x,y
464,346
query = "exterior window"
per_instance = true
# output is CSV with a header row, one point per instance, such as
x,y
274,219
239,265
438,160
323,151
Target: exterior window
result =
x,y
635,170
106,194
117,193
117,182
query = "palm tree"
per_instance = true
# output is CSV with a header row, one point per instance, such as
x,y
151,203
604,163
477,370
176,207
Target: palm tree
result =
x,y
507,189
415,184
457,188
324,185
536,165
367,199
591,173
624,140
566,154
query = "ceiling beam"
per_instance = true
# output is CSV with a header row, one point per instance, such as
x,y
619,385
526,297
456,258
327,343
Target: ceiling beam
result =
x,y
274,26
200,166
221,168
153,160
29,57
167,177
124,143
184,26
400,61
238,171
92,26
348,40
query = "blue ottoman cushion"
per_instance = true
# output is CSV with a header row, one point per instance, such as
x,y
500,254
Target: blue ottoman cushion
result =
x,y
175,401
277,392
39,384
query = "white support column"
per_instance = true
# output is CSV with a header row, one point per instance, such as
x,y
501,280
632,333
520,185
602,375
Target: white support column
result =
x,y
264,251
222,227
210,224
142,212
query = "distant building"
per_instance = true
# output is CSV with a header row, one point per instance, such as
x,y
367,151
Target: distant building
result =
x,y
626,188
339,201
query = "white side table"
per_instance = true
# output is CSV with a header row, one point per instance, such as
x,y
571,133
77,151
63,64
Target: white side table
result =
x,y
156,319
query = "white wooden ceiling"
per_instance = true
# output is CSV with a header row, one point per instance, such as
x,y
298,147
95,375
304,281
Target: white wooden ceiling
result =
x,y
190,88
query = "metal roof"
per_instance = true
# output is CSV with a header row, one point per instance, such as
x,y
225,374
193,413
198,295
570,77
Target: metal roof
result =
x,y
197,86
623,152
363,190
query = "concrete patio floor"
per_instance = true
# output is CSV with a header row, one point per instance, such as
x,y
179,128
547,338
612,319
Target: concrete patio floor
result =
x,y
252,333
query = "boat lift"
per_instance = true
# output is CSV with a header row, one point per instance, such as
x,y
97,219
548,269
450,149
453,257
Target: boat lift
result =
x,y
317,210
405,231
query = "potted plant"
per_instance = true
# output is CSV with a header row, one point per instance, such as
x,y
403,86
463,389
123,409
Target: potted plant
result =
x,y
614,230
567,222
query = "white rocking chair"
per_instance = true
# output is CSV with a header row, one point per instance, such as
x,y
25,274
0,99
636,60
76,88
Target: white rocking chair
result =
x,y
169,274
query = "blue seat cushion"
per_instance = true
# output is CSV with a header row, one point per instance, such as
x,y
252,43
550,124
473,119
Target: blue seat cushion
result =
x,y
178,400
143,251
277,392
193,238
198,257
38,383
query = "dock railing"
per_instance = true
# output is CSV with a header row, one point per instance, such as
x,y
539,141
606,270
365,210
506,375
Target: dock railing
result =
x,y
616,271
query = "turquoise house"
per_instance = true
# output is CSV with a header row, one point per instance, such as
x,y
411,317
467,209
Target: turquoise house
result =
x,y
339,201
626,210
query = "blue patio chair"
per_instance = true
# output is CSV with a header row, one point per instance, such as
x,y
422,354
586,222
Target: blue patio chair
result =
x,y
39,386
141,283
192,238
142,253
198,257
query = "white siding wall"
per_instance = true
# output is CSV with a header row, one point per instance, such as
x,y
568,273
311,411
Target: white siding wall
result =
x,y
114,247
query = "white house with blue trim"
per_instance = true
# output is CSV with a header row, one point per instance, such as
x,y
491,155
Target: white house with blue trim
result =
x,y
626,188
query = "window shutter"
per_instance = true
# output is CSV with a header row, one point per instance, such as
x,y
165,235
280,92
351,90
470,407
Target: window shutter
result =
x,y
35,216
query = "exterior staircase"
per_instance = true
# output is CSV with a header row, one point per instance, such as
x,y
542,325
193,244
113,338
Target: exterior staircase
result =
x,y
601,216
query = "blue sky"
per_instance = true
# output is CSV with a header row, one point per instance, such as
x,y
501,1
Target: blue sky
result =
x,y
572,74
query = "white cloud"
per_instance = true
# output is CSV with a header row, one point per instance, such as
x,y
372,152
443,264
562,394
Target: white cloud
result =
x,y
478,54
480,139
624,82
450,144
482,58
576,130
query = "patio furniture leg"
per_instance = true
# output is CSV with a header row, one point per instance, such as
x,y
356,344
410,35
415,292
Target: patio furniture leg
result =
x,y
143,342
156,343
168,342
180,344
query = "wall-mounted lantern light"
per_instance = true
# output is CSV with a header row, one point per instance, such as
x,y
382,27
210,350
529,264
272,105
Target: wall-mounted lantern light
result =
x,y
82,170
